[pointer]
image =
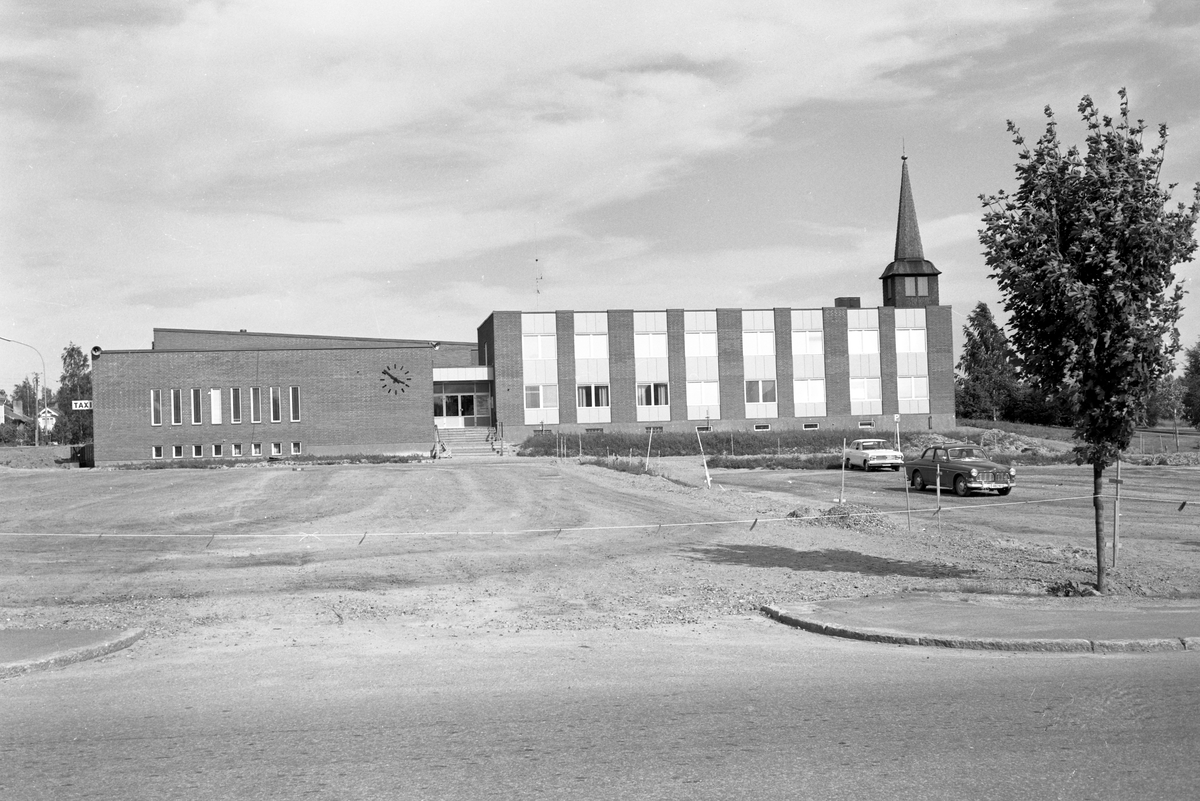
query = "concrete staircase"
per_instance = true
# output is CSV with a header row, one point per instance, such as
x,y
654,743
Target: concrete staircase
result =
x,y
469,443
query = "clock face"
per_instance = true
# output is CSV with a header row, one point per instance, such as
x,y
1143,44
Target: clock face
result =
x,y
394,379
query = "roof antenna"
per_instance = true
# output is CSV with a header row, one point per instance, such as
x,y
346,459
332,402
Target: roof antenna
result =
x,y
537,272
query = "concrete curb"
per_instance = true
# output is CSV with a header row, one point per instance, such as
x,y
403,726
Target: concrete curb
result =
x,y
985,643
72,655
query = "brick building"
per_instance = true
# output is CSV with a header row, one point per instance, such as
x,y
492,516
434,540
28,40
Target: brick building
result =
x,y
227,394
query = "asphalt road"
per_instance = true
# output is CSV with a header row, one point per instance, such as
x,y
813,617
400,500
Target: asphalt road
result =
x,y
741,709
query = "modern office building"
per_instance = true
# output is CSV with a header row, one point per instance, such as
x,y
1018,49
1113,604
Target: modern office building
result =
x,y
239,394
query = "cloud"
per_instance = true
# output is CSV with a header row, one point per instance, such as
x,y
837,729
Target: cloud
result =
x,y
297,163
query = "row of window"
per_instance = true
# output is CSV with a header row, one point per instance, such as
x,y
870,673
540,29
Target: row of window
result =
x,y
218,450
545,396
653,345
216,406
866,395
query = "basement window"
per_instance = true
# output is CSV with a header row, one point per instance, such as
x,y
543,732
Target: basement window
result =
x,y
762,426
866,423
811,426
704,429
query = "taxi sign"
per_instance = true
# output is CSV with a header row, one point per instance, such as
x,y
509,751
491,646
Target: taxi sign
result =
x,y
78,405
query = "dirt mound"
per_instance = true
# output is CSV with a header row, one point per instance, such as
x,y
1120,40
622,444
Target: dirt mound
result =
x,y
31,458
853,516
995,441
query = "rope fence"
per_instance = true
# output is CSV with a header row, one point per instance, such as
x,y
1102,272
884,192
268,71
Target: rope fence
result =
x,y
1181,504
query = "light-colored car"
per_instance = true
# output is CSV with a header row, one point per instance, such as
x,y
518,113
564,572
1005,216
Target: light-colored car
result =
x,y
964,468
870,454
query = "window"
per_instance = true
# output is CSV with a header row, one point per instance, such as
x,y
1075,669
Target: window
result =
x,y
218,451
910,340
653,429
593,430
294,405
704,429
864,341
916,286
256,449
758,343
156,407
762,426
214,400
277,449
541,396
237,449
811,426
700,344
176,451
276,406
197,419
866,423
176,407
156,452
808,343
539,346
295,449
760,392
652,395
865,396
591,346
592,395
197,451
235,405
809,390
650,345
255,405
909,388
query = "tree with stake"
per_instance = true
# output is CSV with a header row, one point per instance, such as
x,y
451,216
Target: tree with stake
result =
x,y
1084,253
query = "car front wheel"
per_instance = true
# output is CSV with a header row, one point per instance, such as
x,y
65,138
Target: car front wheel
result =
x,y
918,482
960,487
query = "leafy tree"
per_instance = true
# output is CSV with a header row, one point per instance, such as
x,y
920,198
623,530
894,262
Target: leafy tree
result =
x,y
74,426
1084,252
1191,385
25,396
987,380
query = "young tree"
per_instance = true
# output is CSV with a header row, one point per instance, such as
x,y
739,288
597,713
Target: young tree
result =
x,y
987,380
1084,252
74,426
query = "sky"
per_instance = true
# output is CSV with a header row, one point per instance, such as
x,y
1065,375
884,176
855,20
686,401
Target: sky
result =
x,y
385,169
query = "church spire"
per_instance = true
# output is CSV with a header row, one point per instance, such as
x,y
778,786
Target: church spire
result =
x,y
908,235
909,281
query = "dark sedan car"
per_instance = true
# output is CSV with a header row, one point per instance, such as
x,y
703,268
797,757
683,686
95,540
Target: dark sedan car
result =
x,y
964,468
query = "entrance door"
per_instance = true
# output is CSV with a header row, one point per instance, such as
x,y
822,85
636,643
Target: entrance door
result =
x,y
462,404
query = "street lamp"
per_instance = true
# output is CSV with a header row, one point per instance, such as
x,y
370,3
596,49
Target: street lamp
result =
x,y
37,422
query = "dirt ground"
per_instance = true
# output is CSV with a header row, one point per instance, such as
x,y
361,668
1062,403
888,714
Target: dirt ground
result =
x,y
540,544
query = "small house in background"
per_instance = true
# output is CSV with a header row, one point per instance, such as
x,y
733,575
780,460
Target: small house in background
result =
x,y
47,418
10,415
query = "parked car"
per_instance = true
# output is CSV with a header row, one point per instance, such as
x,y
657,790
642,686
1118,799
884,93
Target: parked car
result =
x,y
872,453
964,468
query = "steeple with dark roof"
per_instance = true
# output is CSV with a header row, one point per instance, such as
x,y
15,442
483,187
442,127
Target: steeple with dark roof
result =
x,y
909,281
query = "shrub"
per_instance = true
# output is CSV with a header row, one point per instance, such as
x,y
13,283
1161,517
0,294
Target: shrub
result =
x,y
716,443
